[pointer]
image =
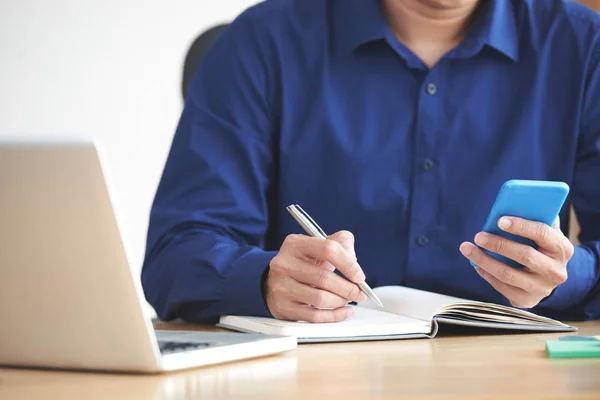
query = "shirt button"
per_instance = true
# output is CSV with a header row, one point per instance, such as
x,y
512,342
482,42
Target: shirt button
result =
x,y
431,89
422,240
428,164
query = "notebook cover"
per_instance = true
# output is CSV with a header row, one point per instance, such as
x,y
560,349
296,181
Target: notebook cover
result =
x,y
507,326
334,339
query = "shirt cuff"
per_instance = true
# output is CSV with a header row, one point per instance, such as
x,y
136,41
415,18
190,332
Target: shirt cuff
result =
x,y
579,282
243,290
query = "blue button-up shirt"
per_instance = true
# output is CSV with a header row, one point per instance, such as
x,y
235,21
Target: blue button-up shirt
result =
x,y
317,103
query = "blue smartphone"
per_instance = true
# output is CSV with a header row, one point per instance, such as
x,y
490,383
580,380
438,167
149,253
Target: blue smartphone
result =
x,y
539,201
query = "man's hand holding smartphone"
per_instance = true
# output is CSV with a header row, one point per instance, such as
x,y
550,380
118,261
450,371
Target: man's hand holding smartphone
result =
x,y
544,268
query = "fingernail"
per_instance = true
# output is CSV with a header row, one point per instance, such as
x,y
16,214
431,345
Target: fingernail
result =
x,y
481,239
350,312
504,223
362,297
465,248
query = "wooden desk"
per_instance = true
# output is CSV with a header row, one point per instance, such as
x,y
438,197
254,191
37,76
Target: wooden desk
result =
x,y
462,367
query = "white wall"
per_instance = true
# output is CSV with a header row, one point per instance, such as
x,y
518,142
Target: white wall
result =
x,y
109,70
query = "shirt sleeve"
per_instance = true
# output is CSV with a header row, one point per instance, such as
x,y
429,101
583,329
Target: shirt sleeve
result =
x,y
204,255
579,297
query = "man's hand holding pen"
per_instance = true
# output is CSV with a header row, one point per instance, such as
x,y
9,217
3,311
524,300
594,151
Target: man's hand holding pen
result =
x,y
302,286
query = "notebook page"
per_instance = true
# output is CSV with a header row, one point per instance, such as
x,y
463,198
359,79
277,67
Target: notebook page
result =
x,y
425,305
411,302
497,312
462,315
365,322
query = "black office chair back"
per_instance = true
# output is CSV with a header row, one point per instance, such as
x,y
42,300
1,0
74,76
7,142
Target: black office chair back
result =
x,y
196,53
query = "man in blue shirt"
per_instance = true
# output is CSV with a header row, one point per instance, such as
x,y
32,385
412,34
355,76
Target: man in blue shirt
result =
x,y
393,123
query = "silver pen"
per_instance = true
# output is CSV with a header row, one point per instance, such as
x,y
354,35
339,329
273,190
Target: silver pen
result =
x,y
314,230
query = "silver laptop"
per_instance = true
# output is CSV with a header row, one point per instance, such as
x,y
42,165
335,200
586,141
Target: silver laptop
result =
x,y
68,297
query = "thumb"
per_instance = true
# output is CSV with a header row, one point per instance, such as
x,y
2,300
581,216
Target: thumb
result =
x,y
345,239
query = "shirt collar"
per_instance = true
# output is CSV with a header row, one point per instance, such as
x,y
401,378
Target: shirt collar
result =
x,y
499,28
361,22
364,21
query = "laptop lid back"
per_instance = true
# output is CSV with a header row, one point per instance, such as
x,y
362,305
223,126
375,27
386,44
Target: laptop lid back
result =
x,y
68,298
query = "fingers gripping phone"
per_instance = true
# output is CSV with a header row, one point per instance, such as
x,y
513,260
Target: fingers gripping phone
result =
x,y
539,201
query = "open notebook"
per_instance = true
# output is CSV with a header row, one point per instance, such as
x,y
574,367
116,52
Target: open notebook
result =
x,y
408,313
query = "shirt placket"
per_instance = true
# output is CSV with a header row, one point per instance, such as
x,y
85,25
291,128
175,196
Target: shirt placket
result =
x,y
425,180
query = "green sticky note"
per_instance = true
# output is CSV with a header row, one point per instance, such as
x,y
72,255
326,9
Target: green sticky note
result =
x,y
573,348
